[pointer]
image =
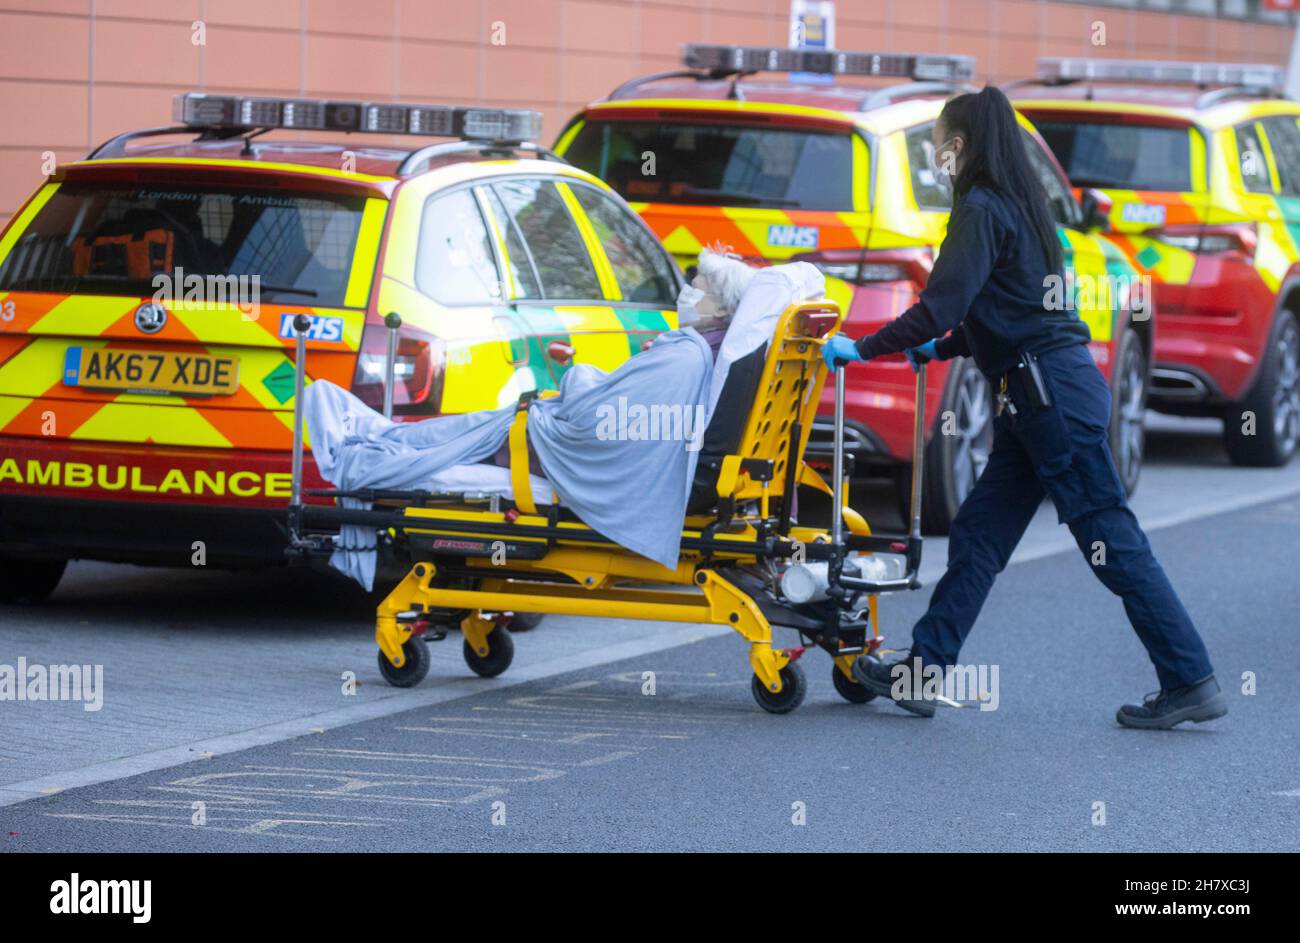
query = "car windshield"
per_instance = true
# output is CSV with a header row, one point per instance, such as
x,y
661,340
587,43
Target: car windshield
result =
x,y
1121,156
712,164
116,240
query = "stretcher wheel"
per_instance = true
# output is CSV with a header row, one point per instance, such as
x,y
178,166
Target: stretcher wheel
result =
x,y
411,673
849,689
794,685
526,621
501,651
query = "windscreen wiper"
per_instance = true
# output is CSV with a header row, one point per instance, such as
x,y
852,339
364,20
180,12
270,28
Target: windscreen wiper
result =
x,y
289,290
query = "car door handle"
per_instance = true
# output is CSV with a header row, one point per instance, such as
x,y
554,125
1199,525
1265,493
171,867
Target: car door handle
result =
x,y
560,352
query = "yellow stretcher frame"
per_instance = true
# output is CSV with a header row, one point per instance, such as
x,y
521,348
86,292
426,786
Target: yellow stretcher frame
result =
x,y
562,567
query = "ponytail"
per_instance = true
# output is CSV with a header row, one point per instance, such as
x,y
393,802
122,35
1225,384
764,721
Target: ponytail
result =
x,y
995,157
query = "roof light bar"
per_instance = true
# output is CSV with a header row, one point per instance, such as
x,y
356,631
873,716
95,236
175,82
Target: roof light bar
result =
x,y
1055,69
922,67
202,111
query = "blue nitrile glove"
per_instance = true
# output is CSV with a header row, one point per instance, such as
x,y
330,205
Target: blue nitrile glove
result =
x,y
919,355
839,349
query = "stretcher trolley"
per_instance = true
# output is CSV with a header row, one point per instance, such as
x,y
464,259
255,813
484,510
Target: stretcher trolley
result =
x,y
748,565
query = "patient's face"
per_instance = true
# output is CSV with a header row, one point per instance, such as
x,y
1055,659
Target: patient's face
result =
x,y
707,307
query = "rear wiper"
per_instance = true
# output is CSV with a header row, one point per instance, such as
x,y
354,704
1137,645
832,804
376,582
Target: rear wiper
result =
x,y
289,290
1100,184
734,196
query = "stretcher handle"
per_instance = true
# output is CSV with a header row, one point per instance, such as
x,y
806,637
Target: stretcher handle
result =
x,y
837,460
301,324
392,321
918,452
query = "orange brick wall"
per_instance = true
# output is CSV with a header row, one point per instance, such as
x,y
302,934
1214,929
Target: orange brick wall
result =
x,y
75,72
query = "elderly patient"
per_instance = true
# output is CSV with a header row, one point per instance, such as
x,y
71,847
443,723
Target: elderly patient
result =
x,y
632,487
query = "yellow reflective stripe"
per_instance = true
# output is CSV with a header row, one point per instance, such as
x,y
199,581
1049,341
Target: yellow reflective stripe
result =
x,y
566,139
18,225
485,210
604,271
367,251
1273,178
1198,160
861,175
11,406
83,315
162,425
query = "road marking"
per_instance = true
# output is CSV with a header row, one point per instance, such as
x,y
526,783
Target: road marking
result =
x,y
672,636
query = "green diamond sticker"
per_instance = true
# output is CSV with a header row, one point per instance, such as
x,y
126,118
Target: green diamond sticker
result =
x,y
280,382
1149,256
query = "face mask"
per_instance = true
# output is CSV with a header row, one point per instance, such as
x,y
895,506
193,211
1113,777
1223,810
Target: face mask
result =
x,y
688,300
935,166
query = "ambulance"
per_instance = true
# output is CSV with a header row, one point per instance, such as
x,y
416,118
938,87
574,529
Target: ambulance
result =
x,y
148,295
825,156
1199,168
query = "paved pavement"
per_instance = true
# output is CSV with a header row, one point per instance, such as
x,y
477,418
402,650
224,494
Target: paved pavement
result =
x,y
567,752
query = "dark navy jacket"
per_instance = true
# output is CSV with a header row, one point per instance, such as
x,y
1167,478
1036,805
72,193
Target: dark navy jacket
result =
x,y
988,287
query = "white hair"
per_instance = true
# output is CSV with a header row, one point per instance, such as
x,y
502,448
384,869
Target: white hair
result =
x,y
727,279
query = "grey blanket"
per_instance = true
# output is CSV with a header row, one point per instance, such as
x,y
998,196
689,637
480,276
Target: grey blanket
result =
x,y
618,449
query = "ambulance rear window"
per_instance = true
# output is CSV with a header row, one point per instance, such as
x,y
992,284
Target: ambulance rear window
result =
x,y
1121,156
114,240
719,164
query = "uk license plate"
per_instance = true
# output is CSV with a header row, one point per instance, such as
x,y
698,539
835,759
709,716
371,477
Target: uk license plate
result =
x,y
150,371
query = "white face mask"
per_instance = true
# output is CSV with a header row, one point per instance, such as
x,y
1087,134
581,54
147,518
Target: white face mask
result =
x,y
936,166
688,300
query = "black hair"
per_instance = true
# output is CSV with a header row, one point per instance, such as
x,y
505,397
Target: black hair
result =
x,y
995,157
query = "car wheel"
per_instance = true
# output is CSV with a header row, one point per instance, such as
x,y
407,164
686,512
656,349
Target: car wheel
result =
x,y
1264,428
1128,409
28,581
959,449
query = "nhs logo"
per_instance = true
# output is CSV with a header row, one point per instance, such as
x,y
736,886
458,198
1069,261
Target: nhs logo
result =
x,y
325,329
784,236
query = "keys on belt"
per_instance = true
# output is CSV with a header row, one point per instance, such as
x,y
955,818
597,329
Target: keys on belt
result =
x,y
1004,398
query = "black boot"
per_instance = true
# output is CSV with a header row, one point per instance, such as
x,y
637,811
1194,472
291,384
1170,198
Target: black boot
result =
x,y
877,676
1162,711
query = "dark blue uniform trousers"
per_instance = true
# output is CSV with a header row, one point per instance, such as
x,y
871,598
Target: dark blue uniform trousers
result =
x,y
1061,452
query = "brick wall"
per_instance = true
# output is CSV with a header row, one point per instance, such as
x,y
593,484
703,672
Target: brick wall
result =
x,y
75,72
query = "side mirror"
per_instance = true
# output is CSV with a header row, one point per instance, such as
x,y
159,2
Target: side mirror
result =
x,y
1096,207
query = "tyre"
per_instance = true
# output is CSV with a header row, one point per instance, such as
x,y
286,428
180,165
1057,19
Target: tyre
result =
x,y
848,688
415,668
1128,409
526,621
794,687
501,651
959,448
1263,429
28,581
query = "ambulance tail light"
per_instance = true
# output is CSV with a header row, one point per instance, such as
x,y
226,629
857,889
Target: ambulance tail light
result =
x,y
1241,238
906,264
418,371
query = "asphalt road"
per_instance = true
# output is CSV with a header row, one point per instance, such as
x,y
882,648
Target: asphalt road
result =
x,y
585,759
